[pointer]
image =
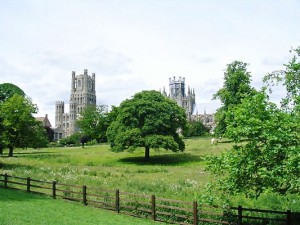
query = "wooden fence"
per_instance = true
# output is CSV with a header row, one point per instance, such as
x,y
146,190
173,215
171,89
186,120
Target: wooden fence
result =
x,y
148,206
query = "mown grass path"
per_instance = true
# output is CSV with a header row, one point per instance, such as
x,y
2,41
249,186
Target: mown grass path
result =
x,y
20,208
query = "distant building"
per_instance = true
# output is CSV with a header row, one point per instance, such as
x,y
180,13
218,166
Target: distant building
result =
x,y
177,93
208,120
44,120
82,95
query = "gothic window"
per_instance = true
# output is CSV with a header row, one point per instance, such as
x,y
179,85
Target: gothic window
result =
x,y
79,83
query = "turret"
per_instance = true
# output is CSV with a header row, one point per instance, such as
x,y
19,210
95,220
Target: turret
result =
x,y
93,82
59,111
82,94
73,82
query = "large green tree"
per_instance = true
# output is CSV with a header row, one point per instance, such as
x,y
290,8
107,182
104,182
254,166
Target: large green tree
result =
x,y
147,120
93,122
236,87
265,155
7,90
20,128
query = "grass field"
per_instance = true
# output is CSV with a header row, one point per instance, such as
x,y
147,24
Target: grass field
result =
x,y
170,175
20,208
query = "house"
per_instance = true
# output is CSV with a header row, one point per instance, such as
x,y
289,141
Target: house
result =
x,y
44,120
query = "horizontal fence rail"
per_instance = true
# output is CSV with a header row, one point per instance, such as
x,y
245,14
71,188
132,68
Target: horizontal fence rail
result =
x,y
148,206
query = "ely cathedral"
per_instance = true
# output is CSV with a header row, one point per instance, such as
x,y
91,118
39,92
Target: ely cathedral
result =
x,y
178,94
83,94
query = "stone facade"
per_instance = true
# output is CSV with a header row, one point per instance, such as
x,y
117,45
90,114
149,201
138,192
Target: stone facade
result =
x,y
178,94
208,120
83,94
44,120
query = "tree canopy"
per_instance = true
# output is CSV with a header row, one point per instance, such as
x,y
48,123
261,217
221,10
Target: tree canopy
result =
x,y
7,90
93,122
20,128
265,155
147,120
236,86
195,128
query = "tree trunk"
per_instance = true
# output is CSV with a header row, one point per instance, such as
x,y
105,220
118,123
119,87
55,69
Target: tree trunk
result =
x,y
11,151
1,150
147,153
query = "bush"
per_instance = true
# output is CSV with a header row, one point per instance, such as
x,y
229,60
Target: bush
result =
x,y
196,128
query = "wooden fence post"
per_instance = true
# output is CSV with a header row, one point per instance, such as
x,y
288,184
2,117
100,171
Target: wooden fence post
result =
x,y
54,189
84,199
240,215
288,217
195,212
28,184
117,201
5,180
153,210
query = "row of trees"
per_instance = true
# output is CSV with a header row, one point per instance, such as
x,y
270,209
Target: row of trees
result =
x,y
147,120
18,128
266,151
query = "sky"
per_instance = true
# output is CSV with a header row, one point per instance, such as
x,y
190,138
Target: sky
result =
x,y
135,45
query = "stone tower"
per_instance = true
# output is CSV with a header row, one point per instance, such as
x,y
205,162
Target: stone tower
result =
x,y
83,94
177,93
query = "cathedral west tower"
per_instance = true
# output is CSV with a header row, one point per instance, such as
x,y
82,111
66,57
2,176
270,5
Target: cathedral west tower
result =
x,y
178,94
83,94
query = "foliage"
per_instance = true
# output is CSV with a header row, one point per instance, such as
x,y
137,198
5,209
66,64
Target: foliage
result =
x,y
20,129
7,90
37,137
290,79
50,133
148,120
84,139
236,86
93,122
268,160
196,128
73,140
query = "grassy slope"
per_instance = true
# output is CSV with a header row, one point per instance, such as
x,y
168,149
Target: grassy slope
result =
x,y
20,208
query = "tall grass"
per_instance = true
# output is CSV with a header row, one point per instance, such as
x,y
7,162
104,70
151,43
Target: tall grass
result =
x,y
167,174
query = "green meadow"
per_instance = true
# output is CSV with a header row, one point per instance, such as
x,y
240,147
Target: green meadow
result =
x,y
171,175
